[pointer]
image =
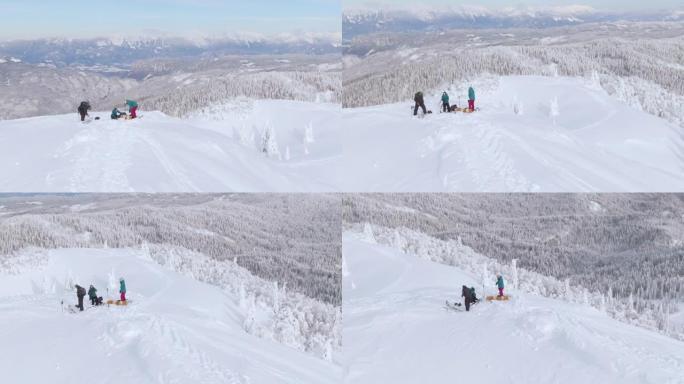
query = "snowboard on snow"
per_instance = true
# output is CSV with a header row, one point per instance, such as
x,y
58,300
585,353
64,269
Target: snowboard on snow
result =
x,y
498,298
117,302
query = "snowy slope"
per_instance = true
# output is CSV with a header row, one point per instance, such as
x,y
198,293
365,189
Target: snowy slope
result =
x,y
175,330
158,153
567,135
397,330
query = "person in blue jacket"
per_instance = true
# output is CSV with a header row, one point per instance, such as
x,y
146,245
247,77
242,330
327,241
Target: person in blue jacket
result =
x,y
122,289
471,98
445,102
132,108
500,284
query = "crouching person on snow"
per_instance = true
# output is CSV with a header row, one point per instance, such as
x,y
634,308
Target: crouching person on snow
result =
x,y
92,295
122,289
116,114
445,102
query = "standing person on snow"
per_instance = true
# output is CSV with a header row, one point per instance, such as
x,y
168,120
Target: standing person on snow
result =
x,y
471,98
80,293
500,284
469,296
132,108
122,289
83,109
418,98
445,102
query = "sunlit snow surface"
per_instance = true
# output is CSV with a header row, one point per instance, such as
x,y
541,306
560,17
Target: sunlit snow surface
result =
x,y
217,151
175,329
531,134
397,330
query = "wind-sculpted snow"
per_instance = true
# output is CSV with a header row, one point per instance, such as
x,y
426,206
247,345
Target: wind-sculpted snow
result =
x,y
263,145
530,134
638,63
397,329
174,329
628,248
290,239
654,315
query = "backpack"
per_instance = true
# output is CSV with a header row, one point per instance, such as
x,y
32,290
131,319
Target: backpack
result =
x,y
80,291
418,96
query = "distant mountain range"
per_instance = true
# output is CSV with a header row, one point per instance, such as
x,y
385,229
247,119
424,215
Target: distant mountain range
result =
x,y
423,17
122,52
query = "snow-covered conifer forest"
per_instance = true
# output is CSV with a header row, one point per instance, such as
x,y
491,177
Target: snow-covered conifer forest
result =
x,y
620,252
274,251
175,85
638,63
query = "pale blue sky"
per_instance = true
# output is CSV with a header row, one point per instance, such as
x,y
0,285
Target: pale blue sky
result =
x,y
95,18
611,5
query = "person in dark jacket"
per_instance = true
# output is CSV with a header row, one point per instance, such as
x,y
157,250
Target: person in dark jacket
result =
x,y
83,109
418,98
80,293
469,296
92,295
445,102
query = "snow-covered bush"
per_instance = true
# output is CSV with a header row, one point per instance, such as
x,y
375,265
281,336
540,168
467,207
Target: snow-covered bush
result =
x,y
271,311
651,314
644,72
269,144
292,239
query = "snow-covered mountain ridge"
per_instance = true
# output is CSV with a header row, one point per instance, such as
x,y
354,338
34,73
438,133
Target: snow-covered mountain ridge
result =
x,y
182,329
269,145
395,317
654,316
530,134
361,20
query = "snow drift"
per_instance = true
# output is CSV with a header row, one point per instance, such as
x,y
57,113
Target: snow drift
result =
x,y
397,330
246,145
532,133
174,330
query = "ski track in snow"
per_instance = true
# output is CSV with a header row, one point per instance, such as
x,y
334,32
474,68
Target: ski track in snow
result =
x,y
158,153
398,330
174,330
594,144
100,157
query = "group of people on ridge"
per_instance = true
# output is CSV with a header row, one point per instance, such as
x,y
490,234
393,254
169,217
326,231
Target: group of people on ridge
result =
x,y
446,107
468,293
92,294
132,105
